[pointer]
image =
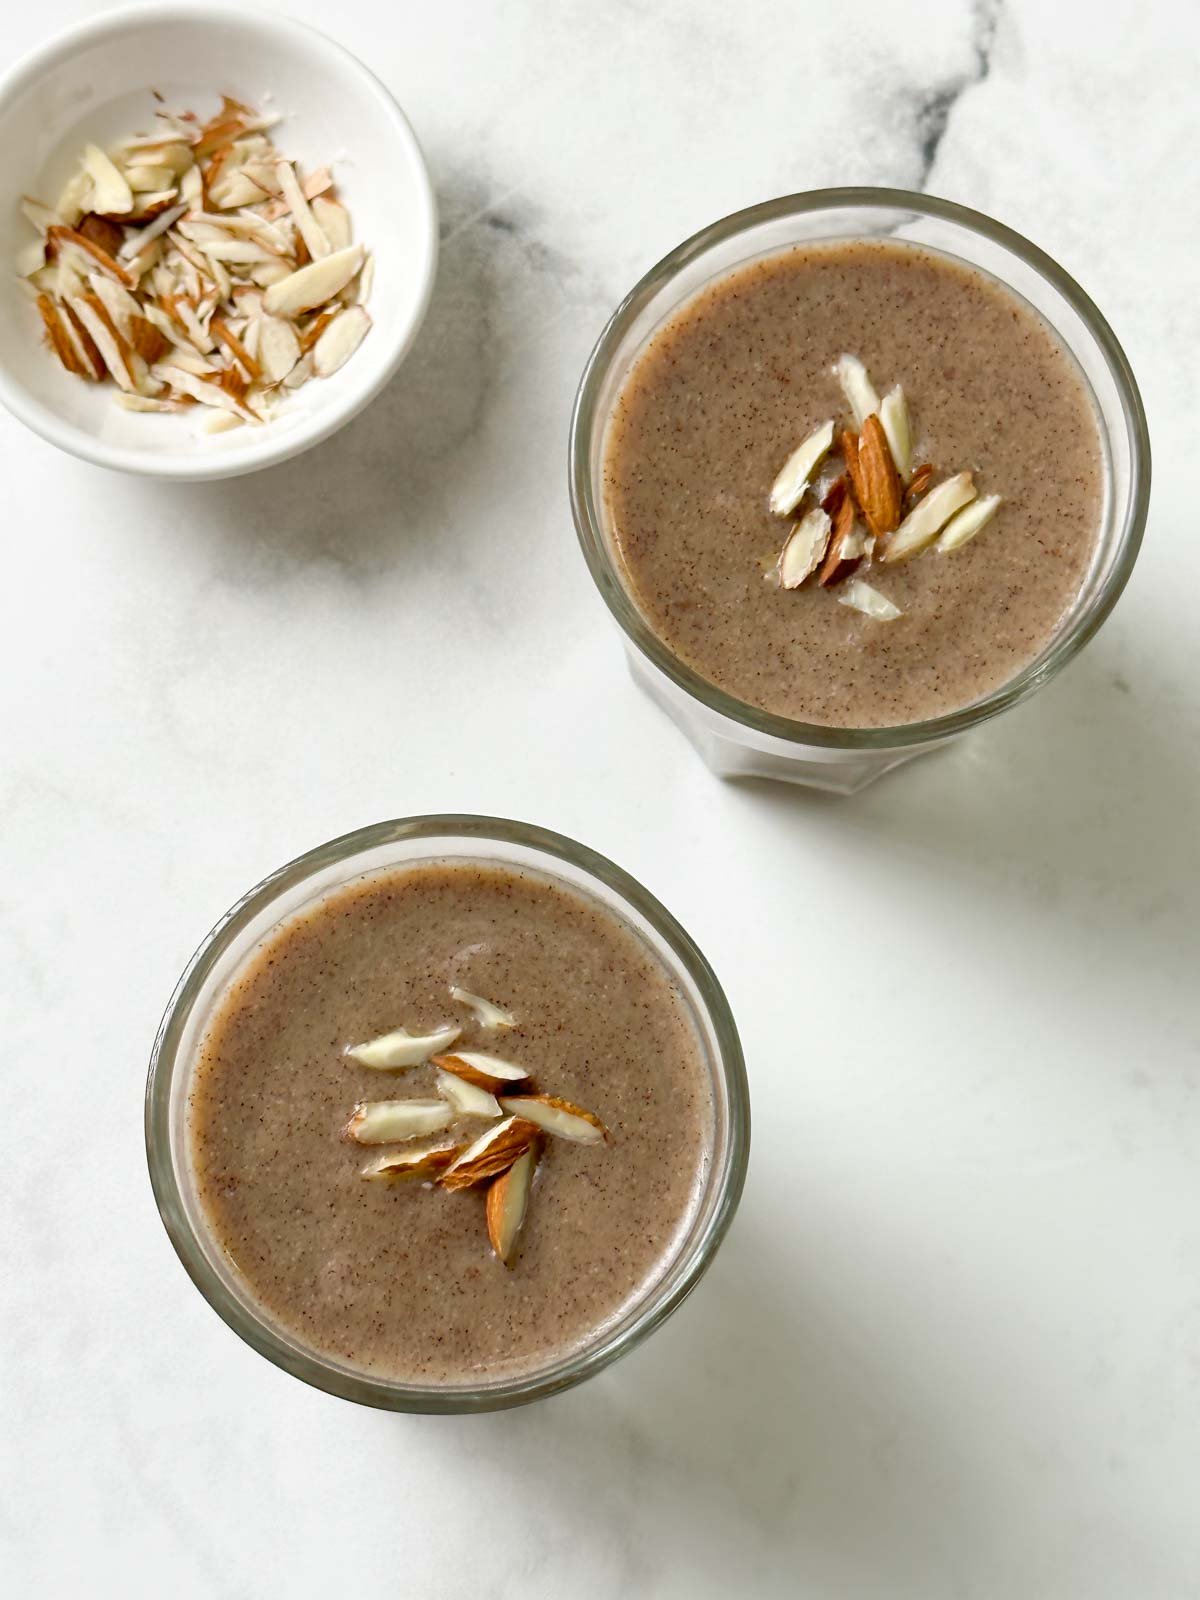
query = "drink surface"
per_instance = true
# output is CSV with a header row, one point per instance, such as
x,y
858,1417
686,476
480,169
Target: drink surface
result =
x,y
739,375
398,1279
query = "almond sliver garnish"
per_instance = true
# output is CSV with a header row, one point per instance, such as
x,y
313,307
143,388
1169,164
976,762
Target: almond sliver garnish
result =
x,y
788,488
965,524
802,553
929,516
507,1200
468,1099
401,1048
893,414
861,597
491,1154
390,1121
556,1116
488,1072
487,1013
857,387
425,1162
875,479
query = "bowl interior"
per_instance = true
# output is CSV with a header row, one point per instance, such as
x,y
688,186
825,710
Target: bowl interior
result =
x,y
95,85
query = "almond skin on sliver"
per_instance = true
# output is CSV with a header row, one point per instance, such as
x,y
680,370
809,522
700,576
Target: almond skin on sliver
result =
x,y
879,482
409,1165
840,506
486,1072
507,1202
491,1154
560,1117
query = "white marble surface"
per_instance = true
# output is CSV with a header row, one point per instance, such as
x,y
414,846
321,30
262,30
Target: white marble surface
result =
x,y
952,1346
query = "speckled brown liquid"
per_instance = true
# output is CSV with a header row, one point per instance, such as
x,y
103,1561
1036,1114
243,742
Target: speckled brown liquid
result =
x,y
399,1279
732,383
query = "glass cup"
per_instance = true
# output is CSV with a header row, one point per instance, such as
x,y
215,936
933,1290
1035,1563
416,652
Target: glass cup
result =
x,y
736,739
385,846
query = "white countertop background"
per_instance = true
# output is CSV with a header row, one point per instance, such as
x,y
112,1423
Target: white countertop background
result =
x,y
951,1347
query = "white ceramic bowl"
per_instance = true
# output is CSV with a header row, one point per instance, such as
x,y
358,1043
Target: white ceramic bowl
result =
x,y
93,84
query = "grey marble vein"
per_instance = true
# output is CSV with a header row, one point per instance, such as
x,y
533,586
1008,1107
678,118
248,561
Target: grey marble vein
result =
x,y
935,106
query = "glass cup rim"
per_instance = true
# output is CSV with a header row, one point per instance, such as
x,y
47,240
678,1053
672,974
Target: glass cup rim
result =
x,y
588,522
311,1366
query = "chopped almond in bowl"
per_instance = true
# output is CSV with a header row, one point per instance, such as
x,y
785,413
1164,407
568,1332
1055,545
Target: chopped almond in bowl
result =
x,y
210,280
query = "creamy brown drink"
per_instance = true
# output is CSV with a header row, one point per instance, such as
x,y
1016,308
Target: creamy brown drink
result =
x,y
485,968
720,401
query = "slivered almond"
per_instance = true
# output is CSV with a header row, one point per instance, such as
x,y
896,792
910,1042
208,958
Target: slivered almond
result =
x,y
928,517
392,1121
147,207
236,348
85,345
468,1099
278,348
488,1072
507,1200
111,194
334,222
137,242
340,340
401,1048
802,553
102,232
857,387
148,180
861,597
788,489
147,340
300,374
310,229
313,285
893,414
236,189
120,305
315,329
556,1116
965,524
839,561
487,1013
60,341
409,1165
491,1154
878,484
921,479
58,238
203,390
90,310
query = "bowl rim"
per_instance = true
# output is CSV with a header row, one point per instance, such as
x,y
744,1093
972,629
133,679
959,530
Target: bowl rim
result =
x,y
274,446
665,1295
791,731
